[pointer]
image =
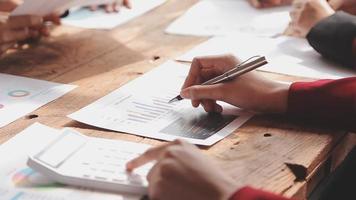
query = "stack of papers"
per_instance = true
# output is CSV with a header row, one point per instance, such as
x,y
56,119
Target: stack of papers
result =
x,y
99,19
286,55
226,17
23,183
20,96
141,107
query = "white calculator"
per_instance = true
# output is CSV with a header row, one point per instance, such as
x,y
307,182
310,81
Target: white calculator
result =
x,y
79,160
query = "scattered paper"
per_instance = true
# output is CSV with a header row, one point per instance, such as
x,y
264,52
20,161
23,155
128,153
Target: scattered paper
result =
x,y
20,96
17,194
84,18
286,55
141,107
45,7
226,17
16,175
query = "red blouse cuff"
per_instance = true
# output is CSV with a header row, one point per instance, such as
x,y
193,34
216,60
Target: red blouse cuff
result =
x,y
249,193
323,99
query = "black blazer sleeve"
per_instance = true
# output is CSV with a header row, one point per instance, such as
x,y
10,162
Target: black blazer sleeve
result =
x,y
333,38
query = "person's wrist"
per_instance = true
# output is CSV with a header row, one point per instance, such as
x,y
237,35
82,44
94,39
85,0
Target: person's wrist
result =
x,y
275,99
227,188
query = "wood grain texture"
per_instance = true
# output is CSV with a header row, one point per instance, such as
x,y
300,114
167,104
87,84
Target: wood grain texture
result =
x,y
269,152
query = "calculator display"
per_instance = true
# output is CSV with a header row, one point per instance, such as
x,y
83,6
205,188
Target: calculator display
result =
x,y
61,150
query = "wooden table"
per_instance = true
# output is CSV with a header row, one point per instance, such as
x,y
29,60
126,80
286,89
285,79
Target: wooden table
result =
x,y
268,152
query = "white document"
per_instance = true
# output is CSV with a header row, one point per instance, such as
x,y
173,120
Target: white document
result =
x,y
99,19
45,7
16,175
286,55
225,17
40,7
17,194
141,107
20,96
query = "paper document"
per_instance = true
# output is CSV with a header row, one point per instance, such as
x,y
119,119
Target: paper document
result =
x,y
15,194
226,17
17,176
20,96
99,19
45,7
286,55
141,107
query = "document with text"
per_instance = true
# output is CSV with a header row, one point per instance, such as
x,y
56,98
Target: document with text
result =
x,y
141,108
20,96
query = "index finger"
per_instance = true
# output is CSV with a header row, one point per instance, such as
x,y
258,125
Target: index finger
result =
x,y
150,155
194,74
22,21
127,4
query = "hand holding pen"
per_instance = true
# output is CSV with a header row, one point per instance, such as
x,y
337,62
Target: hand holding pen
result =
x,y
250,91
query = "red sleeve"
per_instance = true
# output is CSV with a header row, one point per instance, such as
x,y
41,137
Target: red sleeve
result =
x,y
325,100
248,193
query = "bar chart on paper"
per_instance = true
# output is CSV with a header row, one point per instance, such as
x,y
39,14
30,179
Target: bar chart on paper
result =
x,y
141,107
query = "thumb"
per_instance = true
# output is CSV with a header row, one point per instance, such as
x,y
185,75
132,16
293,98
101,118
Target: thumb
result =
x,y
197,92
335,4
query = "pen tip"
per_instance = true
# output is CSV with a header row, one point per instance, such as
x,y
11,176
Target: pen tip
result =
x,y
177,98
172,100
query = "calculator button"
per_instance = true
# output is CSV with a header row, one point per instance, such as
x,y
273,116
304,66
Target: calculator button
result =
x,y
100,178
120,176
135,179
118,180
86,176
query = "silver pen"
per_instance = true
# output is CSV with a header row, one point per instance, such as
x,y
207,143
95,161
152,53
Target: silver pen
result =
x,y
240,69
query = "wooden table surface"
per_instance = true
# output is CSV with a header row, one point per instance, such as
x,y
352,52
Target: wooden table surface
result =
x,y
269,152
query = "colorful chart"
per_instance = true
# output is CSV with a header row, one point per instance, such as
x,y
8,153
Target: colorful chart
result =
x,y
27,177
1,106
19,93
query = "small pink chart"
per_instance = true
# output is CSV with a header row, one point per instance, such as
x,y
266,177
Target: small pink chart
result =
x,y
19,93
1,106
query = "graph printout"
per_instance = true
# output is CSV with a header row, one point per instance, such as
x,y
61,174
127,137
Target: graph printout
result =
x,y
20,96
141,107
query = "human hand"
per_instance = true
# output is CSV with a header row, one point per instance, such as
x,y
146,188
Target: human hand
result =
x,y
249,91
269,3
18,28
114,7
182,172
306,14
345,5
9,5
